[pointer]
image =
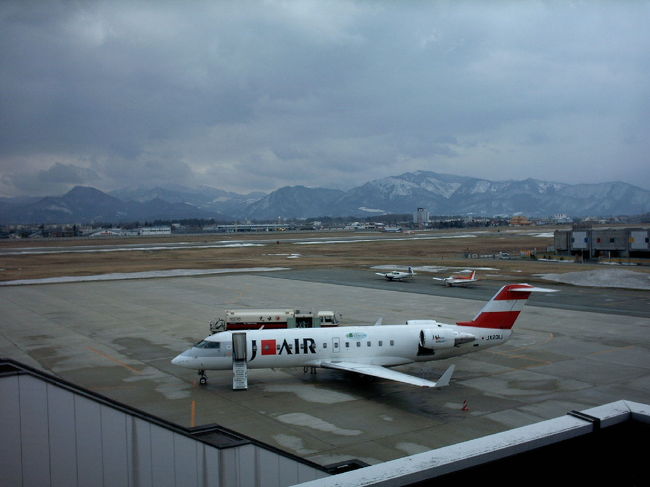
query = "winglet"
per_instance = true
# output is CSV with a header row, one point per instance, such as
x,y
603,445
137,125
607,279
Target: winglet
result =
x,y
379,321
446,377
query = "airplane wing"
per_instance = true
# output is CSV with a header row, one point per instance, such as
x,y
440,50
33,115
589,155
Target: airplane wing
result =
x,y
387,275
384,373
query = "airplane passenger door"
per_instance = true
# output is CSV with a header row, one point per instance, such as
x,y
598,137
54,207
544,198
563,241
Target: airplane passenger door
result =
x,y
336,345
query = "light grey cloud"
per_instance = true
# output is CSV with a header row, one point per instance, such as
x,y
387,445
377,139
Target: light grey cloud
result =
x,y
57,178
256,95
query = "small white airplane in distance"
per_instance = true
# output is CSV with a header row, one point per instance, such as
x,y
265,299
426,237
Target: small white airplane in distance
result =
x,y
397,275
458,280
367,350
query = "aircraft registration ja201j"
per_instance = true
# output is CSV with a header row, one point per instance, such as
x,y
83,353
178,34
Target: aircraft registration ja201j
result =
x,y
368,350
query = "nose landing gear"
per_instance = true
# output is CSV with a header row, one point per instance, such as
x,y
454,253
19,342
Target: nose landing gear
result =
x,y
203,378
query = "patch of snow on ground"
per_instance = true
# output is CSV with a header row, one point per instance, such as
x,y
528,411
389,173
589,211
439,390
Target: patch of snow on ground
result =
x,y
428,268
309,421
139,275
603,278
312,394
128,248
293,443
288,256
379,239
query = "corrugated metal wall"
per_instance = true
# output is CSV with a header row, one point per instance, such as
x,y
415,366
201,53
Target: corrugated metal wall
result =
x,y
561,239
609,239
51,436
639,240
579,240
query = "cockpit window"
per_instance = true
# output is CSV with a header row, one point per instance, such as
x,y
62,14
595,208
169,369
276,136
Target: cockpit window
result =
x,y
208,344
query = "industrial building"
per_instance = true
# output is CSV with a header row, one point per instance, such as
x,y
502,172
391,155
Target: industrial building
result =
x,y
586,243
155,231
55,433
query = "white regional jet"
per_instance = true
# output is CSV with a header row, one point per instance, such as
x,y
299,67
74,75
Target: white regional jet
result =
x,y
458,280
368,350
397,275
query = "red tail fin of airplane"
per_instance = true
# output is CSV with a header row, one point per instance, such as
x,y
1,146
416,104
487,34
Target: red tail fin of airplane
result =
x,y
503,309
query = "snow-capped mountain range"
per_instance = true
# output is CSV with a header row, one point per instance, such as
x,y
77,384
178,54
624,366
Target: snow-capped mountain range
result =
x,y
440,194
445,194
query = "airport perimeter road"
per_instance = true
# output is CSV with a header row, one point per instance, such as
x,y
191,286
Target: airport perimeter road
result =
x,y
617,301
117,338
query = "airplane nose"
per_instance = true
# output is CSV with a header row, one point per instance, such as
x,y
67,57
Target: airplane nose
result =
x,y
178,360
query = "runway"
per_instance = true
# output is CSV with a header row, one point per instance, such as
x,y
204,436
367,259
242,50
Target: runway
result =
x,y
117,337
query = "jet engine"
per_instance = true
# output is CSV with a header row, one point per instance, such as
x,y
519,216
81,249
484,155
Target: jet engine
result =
x,y
438,338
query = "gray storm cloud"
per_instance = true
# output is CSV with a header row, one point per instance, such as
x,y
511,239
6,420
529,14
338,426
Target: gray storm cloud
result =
x,y
256,95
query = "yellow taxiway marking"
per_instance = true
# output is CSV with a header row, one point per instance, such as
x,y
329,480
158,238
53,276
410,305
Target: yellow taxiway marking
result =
x,y
615,349
112,388
113,359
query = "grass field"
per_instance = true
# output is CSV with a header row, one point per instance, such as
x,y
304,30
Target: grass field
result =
x,y
394,249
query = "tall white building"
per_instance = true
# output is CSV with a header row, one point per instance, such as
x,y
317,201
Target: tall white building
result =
x,y
421,217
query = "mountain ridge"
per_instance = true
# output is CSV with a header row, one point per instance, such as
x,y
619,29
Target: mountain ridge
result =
x,y
440,194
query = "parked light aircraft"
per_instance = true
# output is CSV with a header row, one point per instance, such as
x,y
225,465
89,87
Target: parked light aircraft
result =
x,y
368,350
457,280
397,275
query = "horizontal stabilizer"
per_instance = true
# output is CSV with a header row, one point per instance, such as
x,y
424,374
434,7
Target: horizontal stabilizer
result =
x,y
533,290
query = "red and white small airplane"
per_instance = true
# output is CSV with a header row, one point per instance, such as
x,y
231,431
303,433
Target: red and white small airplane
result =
x,y
457,280
367,350
397,275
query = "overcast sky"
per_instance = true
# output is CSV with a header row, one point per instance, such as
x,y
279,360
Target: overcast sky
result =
x,y
252,96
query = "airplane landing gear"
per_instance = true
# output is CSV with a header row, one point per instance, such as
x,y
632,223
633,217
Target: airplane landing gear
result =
x,y
204,378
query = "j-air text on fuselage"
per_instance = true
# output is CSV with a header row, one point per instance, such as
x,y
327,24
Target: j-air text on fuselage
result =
x,y
368,350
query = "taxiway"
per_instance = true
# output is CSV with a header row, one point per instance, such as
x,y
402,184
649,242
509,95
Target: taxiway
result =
x,y
117,338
